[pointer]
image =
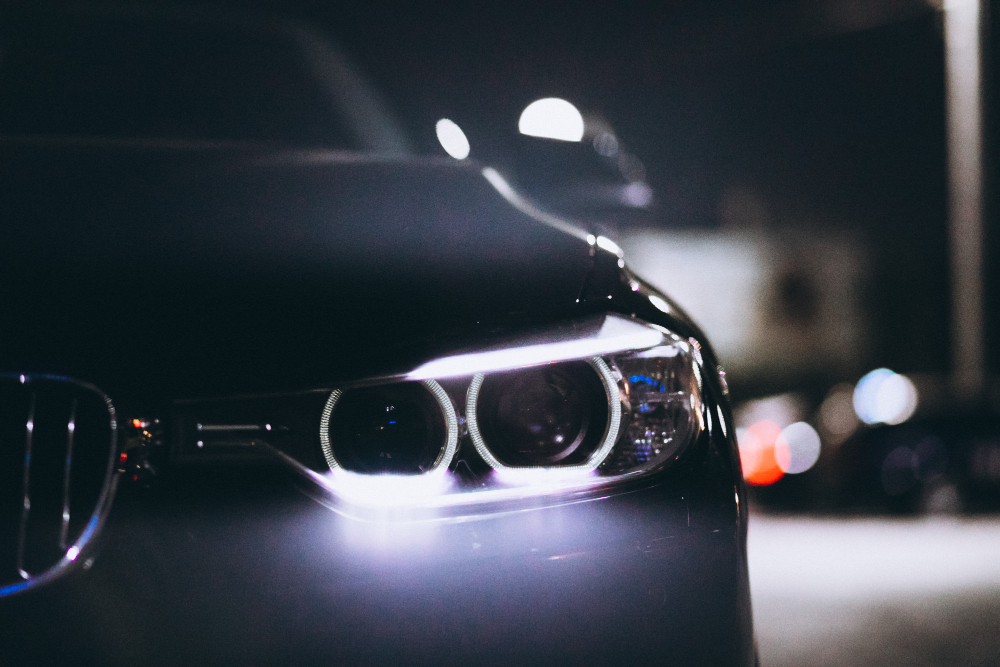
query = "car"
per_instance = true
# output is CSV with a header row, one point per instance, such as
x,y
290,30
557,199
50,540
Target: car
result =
x,y
278,391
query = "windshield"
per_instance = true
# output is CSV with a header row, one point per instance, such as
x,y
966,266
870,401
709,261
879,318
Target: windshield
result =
x,y
137,76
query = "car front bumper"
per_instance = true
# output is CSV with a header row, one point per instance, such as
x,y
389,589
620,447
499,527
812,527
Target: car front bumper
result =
x,y
236,567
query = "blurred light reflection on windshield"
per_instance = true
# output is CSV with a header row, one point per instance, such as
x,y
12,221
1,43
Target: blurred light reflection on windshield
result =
x,y
452,139
551,118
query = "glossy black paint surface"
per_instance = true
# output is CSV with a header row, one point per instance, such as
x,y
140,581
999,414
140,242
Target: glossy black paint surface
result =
x,y
174,271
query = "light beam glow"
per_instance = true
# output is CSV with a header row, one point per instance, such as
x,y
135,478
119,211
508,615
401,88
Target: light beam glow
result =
x,y
434,490
388,490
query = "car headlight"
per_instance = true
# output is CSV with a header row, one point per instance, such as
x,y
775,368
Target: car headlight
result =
x,y
562,412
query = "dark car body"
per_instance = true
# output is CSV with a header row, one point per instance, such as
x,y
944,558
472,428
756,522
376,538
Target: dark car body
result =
x,y
169,272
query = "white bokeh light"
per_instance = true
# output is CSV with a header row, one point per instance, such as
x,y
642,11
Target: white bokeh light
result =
x,y
551,118
452,139
797,448
885,397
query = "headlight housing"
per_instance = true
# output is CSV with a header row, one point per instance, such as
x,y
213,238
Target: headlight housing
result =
x,y
558,413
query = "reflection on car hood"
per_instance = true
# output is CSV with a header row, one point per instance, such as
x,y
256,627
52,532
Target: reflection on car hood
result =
x,y
181,269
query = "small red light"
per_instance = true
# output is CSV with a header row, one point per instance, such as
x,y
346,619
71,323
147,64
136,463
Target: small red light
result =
x,y
123,457
135,478
760,466
137,423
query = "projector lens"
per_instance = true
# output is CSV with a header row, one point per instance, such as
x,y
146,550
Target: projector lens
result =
x,y
399,428
547,416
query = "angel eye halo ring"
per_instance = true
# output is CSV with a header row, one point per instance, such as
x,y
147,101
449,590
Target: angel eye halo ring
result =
x,y
438,463
608,435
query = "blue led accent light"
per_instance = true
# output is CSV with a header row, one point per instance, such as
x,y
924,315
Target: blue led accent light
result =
x,y
645,379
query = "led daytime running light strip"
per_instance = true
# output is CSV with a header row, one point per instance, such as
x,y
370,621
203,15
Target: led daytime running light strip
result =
x,y
617,334
451,422
596,459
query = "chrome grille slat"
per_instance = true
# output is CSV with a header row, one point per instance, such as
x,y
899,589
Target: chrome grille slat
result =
x,y
29,430
70,432
58,448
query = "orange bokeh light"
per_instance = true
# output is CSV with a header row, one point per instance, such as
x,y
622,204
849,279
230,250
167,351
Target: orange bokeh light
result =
x,y
757,453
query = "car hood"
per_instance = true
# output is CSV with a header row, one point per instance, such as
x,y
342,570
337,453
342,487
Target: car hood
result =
x,y
183,270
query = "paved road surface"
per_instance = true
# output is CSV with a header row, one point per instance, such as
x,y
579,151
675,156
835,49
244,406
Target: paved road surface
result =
x,y
879,592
